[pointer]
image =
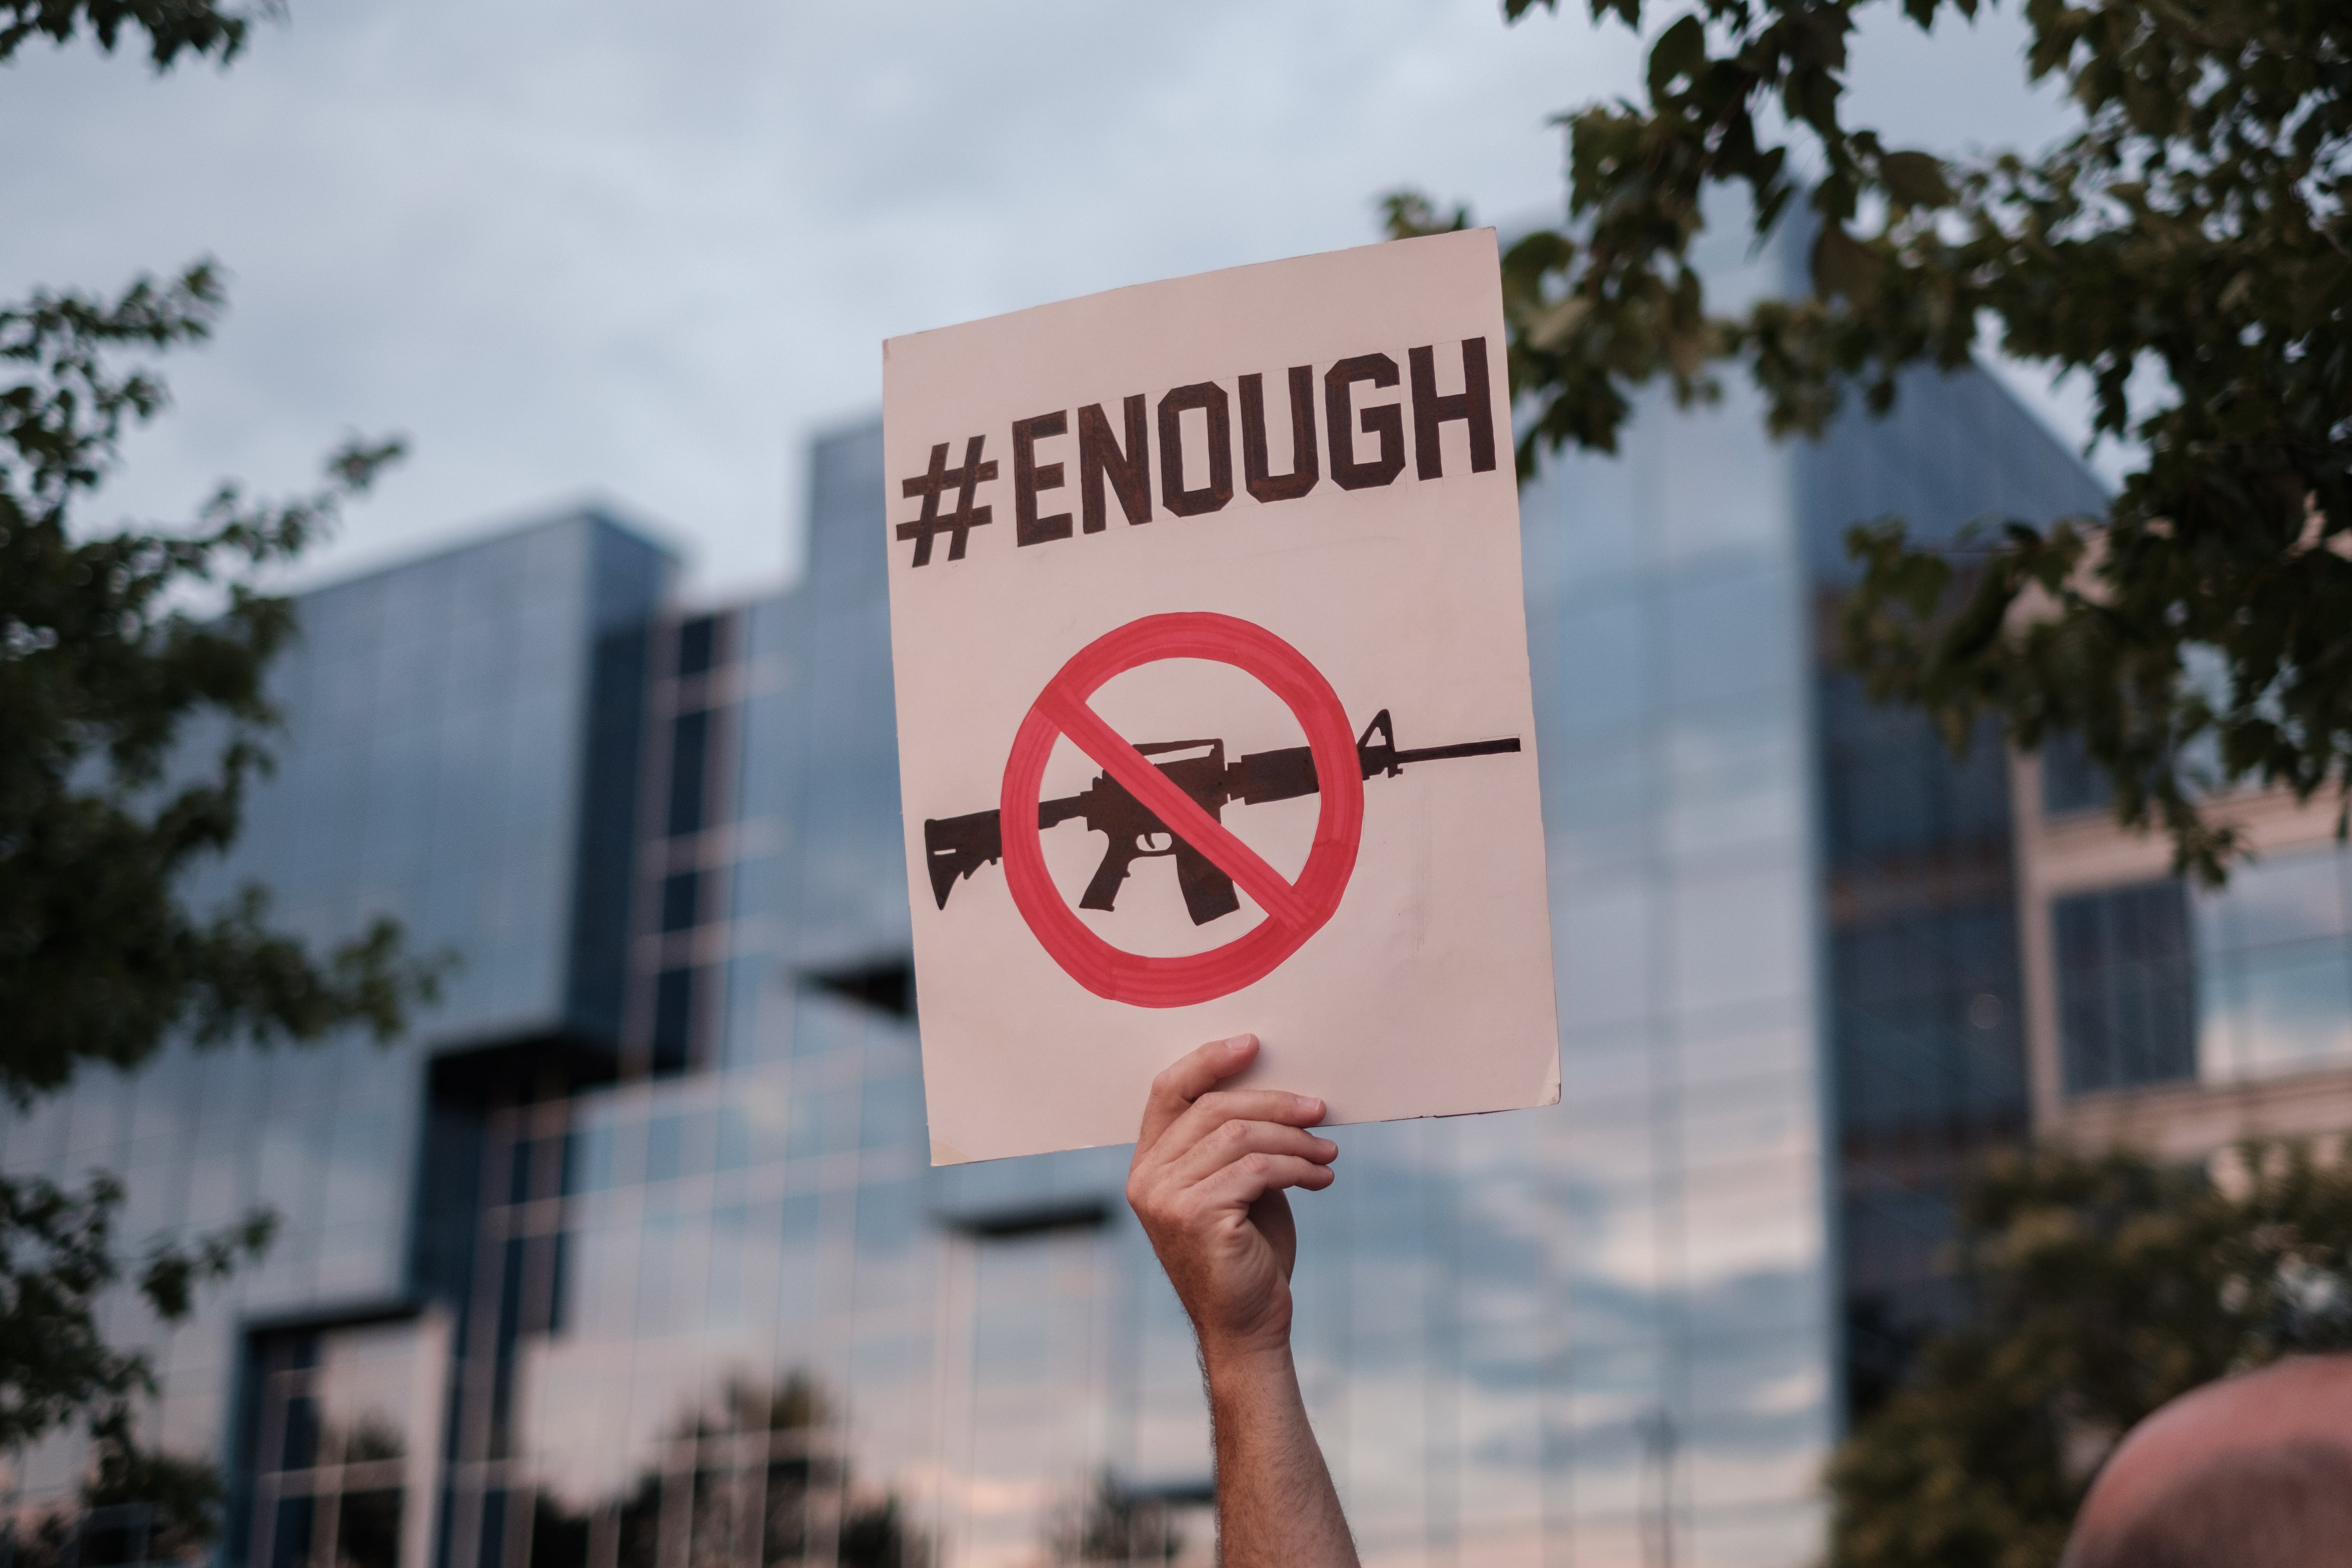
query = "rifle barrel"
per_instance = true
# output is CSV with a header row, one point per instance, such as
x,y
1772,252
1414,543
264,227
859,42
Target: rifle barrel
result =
x,y
1464,748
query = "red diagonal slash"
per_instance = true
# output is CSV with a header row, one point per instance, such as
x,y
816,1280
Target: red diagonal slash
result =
x,y
1179,812
1295,911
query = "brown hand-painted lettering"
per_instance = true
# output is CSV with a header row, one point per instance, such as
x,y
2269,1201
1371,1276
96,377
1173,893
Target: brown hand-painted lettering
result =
x,y
935,482
1099,458
1028,479
1386,421
1472,406
1263,486
1210,398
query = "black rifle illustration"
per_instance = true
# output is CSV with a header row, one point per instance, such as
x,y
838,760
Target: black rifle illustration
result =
x,y
956,846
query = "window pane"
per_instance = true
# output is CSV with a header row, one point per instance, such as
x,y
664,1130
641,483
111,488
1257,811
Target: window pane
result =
x,y
2070,780
2272,903
289,1540
2126,991
672,1019
679,898
689,744
2275,968
2295,1010
367,1530
698,645
301,1446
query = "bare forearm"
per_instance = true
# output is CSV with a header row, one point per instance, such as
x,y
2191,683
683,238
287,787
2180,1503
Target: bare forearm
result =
x,y
1276,1505
1210,1169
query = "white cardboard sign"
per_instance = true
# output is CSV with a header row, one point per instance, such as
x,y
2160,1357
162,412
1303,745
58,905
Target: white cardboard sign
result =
x,y
1214,716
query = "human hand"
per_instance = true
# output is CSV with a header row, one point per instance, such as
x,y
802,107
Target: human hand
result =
x,y
1207,1182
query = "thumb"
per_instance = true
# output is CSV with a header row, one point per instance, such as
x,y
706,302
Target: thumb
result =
x,y
1271,1214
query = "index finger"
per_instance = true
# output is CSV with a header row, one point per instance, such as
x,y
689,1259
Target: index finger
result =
x,y
1189,1076
1220,1106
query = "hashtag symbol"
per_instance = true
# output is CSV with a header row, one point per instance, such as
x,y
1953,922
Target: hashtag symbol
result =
x,y
932,485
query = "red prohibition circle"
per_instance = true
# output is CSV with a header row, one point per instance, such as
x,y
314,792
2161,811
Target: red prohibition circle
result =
x,y
1294,910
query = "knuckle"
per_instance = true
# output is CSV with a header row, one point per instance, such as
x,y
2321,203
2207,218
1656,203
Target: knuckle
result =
x,y
1235,1132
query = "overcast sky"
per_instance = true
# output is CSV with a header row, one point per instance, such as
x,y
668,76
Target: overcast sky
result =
x,y
594,247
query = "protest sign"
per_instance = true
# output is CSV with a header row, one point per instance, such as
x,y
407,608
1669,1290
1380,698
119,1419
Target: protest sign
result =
x,y
1213,715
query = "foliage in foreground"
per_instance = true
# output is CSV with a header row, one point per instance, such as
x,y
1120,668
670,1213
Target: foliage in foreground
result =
x,y
135,710
2102,1286
2187,247
59,1256
171,27
106,673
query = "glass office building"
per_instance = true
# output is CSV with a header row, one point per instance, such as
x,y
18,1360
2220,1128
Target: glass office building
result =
x,y
630,1255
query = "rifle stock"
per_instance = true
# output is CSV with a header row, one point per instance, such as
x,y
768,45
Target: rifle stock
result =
x,y
956,847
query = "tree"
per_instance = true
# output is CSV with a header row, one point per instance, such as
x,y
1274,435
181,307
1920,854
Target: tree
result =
x,y
1107,1523
135,714
2192,231
173,27
765,1478
104,669
2102,1286
138,1506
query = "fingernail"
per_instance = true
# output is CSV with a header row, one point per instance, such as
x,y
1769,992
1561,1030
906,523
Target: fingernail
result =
x,y
1310,1106
1240,1043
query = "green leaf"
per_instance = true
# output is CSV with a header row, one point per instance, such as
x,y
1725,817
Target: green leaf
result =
x,y
1679,52
173,27
1409,213
1553,327
1841,265
1914,179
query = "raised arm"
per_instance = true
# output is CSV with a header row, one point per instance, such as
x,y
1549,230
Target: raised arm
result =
x,y
1209,1168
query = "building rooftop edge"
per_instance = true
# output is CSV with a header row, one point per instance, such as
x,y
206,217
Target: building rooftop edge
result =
x,y
631,525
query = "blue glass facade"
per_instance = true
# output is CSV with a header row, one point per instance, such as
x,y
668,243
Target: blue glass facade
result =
x,y
1688,1375
1925,1024
632,1256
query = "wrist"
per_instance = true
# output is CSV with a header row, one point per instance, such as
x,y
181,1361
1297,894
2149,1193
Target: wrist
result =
x,y
1239,1361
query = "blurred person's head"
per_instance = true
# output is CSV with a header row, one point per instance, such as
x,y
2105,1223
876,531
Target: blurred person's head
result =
x,y
2252,1471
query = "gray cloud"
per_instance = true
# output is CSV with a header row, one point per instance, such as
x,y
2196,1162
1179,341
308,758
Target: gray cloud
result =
x,y
582,246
